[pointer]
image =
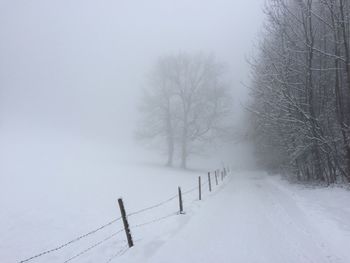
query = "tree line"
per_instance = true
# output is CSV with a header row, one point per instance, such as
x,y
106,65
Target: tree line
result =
x,y
300,108
185,104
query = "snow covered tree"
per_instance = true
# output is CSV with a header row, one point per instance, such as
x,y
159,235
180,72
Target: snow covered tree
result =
x,y
301,90
186,104
157,109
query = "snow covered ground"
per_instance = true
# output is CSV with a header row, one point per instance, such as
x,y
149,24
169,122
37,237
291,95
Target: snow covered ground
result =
x,y
259,218
55,190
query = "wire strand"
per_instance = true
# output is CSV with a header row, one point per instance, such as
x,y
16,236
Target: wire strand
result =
x,y
153,206
118,254
93,246
70,242
155,220
190,190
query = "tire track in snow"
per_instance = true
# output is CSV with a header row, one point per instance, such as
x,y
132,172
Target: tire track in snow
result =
x,y
251,220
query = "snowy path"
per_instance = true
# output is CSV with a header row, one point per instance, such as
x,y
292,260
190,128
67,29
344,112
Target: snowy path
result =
x,y
252,219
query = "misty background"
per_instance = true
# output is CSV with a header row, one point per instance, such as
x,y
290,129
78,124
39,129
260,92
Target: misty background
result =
x,y
78,67
79,79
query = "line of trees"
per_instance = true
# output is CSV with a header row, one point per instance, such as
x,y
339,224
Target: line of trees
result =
x,y
300,109
185,105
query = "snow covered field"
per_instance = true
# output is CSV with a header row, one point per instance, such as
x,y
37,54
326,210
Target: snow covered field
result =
x,y
55,190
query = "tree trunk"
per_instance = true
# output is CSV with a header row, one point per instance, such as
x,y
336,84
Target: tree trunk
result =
x,y
184,142
170,152
170,137
184,149
347,70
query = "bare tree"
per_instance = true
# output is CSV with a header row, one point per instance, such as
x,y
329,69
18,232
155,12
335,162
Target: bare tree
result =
x,y
301,95
187,103
157,108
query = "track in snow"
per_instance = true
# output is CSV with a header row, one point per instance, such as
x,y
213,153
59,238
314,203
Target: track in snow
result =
x,y
251,220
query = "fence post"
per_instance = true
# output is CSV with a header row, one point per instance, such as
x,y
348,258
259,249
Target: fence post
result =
x,y
216,178
199,188
209,181
180,200
125,222
222,176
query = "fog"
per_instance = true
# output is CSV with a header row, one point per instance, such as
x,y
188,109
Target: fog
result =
x,y
125,135
77,67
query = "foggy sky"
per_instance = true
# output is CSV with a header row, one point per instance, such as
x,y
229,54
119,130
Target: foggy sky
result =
x,y
77,66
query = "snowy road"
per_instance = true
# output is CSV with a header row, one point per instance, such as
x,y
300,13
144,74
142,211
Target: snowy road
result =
x,y
252,217
255,218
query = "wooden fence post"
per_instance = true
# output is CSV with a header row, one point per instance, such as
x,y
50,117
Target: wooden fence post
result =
x,y
199,188
125,222
209,181
222,176
216,178
180,201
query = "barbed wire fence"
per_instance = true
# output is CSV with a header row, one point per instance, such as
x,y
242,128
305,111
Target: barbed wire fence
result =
x,y
189,195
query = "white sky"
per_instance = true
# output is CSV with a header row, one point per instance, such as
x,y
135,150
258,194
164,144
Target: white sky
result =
x,y
78,65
